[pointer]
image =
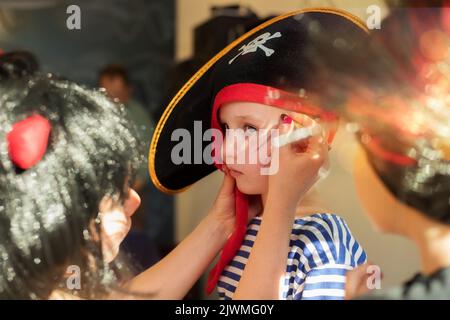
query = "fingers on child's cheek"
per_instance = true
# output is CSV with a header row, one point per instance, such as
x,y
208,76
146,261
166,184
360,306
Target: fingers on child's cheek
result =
x,y
306,121
302,119
301,146
311,144
285,128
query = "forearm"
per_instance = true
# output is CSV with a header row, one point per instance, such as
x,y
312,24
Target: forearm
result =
x,y
174,276
267,262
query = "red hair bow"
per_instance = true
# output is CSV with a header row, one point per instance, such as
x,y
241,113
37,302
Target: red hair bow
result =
x,y
27,141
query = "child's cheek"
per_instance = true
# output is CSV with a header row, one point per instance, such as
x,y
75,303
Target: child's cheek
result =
x,y
258,150
251,181
251,169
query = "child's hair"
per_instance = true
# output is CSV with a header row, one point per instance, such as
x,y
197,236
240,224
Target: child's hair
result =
x,y
49,212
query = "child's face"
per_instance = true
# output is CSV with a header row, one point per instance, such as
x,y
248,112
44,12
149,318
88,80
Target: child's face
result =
x,y
252,119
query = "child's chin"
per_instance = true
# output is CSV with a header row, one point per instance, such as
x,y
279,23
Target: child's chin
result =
x,y
248,188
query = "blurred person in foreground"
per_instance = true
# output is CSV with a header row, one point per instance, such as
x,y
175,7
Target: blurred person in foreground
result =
x,y
399,105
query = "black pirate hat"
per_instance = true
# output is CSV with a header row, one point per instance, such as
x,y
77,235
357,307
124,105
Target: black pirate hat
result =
x,y
290,53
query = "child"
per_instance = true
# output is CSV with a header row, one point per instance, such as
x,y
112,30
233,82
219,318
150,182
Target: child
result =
x,y
403,176
257,84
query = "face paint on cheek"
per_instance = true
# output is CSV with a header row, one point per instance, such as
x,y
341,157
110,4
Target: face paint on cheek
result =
x,y
262,147
251,149
300,133
265,151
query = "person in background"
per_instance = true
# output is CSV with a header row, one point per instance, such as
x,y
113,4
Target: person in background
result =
x,y
115,80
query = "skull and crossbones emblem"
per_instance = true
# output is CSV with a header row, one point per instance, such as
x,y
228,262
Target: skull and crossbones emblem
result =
x,y
257,43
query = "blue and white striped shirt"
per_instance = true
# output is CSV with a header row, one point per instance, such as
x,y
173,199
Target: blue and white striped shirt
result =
x,y
322,250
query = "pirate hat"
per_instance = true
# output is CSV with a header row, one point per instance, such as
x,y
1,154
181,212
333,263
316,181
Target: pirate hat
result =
x,y
290,52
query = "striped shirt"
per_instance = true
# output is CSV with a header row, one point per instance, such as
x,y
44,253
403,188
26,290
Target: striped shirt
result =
x,y
322,250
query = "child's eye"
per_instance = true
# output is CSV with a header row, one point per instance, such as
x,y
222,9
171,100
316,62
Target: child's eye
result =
x,y
249,129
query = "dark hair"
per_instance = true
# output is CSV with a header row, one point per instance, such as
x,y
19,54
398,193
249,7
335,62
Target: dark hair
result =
x,y
48,213
20,63
114,70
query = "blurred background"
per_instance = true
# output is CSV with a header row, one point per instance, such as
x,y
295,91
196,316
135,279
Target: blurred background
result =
x,y
141,52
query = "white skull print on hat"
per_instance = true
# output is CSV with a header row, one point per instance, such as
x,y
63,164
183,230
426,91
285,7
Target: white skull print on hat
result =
x,y
256,44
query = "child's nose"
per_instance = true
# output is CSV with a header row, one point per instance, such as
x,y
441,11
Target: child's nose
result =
x,y
131,203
